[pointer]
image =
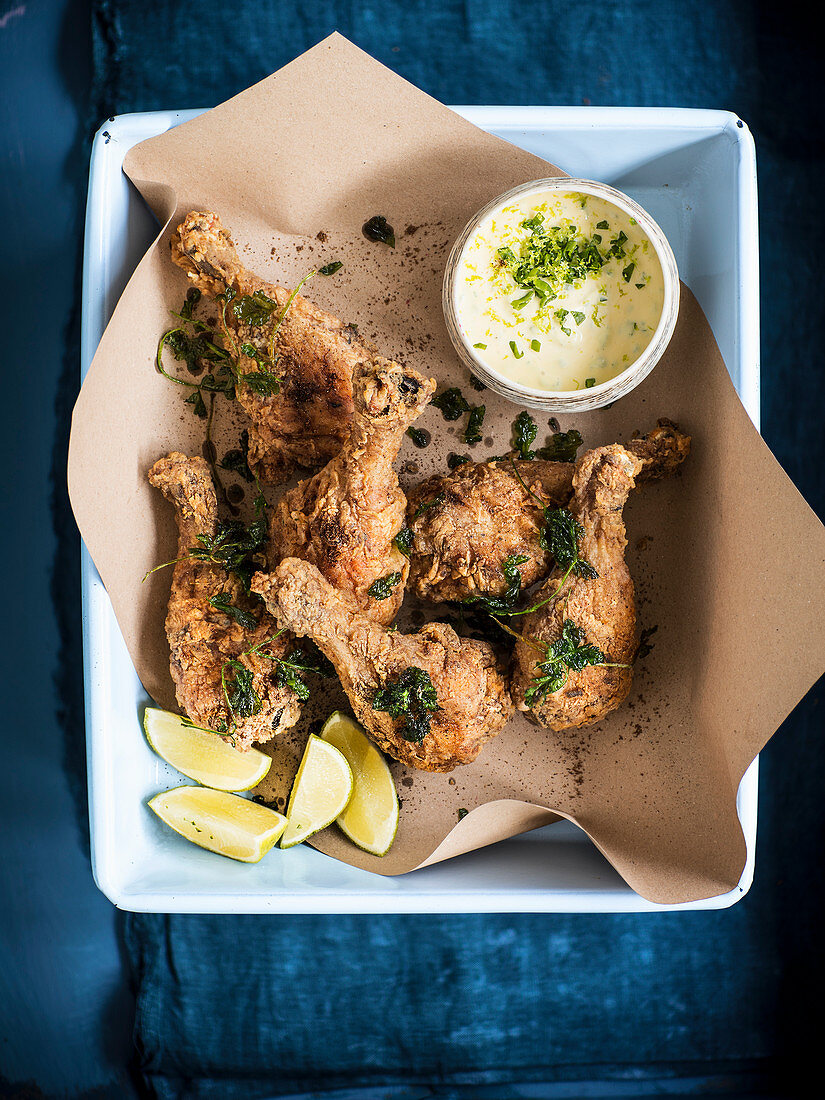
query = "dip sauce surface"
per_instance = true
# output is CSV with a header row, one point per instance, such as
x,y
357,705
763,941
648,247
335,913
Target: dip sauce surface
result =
x,y
568,300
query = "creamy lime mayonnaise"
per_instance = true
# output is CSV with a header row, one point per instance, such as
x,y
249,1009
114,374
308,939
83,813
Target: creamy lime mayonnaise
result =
x,y
559,290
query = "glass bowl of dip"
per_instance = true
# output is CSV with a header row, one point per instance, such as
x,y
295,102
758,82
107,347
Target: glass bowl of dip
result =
x,y
561,294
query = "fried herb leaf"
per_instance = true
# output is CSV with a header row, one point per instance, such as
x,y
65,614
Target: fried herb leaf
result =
x,y
454,460
243,618
560,535
410,696
451,403
379,230
254,309
290,670
403,541
382,588
569,653
472,433
645,644
506,602
330,269
264,383
241,698
237,461
426,505
419,436
525,431
562,447
195,398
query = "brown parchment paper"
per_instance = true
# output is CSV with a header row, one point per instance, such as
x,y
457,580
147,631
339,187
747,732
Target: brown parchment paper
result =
x,y
294,166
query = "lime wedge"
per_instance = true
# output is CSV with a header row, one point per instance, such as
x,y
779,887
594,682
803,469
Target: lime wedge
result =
x,y
321,791
221,822
371,818
202,755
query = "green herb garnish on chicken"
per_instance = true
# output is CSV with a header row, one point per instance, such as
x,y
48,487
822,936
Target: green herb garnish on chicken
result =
x,y
505,603
403,541
382,588
569,653
243,618
410,696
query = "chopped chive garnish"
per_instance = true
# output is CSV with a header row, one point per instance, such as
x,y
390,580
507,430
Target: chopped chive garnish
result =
x,y
518,354
535,345
602,225
628,271
589,382
482,346
641,286
520,303
578,317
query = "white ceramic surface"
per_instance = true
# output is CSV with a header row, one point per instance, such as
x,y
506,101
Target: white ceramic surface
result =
x,y
695,172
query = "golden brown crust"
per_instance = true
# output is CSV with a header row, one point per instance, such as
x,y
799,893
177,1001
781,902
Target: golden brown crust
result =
x,y
307,422
474,703
344,519
490,511
602,607
201,638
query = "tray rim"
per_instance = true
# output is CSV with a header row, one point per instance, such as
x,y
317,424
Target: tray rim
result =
x,y
392,895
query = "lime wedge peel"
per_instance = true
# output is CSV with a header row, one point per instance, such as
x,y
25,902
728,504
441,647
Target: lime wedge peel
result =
x,y
321,791
201,755
370,819
219,821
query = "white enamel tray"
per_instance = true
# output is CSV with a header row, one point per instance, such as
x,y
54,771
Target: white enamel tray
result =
x,y
695,171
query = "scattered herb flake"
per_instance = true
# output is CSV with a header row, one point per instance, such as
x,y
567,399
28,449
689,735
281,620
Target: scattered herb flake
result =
x,y
330,269
645,645
379,230
419,436
562,446
472,433
451,403
525,431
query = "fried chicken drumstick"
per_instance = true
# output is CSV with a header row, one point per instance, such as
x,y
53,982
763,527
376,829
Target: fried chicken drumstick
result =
x,y
203,640
488,511
314,353
592,610
429,699
344,519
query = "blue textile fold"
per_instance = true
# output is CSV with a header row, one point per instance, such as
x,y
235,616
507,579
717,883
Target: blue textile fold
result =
x,y
523,1005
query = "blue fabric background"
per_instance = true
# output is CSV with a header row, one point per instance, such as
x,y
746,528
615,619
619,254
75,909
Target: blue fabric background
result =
x,y
635,1005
